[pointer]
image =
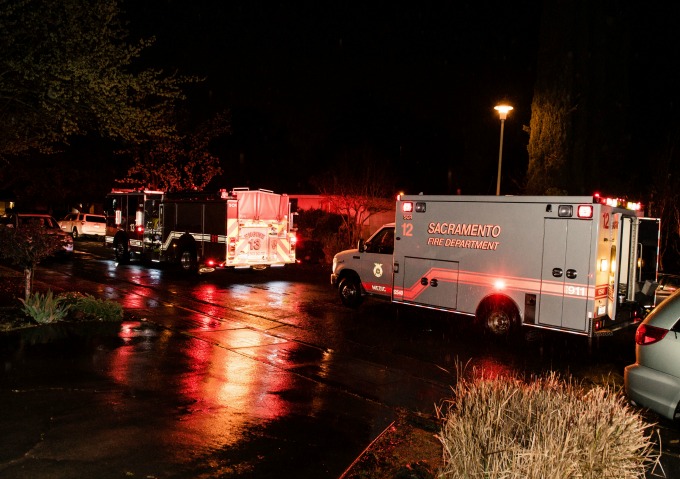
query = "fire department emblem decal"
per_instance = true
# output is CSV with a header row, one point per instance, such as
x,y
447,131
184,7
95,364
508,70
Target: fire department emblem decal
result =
x,y
377,270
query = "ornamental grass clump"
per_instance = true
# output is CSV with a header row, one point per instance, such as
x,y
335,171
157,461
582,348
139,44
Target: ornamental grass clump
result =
x,y
548,427
45,308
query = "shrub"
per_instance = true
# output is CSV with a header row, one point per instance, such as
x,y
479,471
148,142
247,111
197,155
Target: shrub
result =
x,y
99,309
545,428
87,307
45,308
48,308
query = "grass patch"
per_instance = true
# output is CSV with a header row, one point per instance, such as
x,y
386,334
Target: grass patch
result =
x,y
547,427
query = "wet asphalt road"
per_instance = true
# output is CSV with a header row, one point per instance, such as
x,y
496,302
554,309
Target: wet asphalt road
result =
x,y
240,374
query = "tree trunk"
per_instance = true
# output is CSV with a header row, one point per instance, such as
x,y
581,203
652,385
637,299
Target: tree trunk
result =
x,y
28,282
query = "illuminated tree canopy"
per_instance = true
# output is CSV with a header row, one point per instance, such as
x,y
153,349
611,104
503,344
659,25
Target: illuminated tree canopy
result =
x,y
357,187
181,162
66,68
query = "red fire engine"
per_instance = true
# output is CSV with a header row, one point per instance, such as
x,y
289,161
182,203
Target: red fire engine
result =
x,y
202,231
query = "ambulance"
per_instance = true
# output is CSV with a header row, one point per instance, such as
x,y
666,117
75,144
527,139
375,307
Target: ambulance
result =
x,y
585,265
201,231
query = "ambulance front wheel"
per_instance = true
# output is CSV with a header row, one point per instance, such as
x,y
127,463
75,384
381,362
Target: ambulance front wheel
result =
x,y
350,291
499,317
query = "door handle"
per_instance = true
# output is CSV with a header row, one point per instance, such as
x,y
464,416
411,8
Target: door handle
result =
x,y
557,272
572,273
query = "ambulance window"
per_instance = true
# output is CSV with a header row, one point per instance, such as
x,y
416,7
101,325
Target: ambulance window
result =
x,y
382,243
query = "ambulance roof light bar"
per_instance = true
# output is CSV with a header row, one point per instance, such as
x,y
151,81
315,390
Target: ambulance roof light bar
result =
x,y
617,202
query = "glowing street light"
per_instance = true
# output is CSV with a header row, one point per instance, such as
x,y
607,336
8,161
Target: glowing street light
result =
x,y
503,113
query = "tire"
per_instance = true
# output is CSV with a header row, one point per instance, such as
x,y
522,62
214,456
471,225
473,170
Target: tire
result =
x,y
187,261
350,292
120,249
74,233
500,318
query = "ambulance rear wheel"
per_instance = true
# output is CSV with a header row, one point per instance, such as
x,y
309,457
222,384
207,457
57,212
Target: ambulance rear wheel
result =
x,y
350,292
499,318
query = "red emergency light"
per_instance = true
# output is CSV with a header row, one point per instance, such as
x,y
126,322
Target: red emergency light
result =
x,y
617,202
407,207
139,229
584,211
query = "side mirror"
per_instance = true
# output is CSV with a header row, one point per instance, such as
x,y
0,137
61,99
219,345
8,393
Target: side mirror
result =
x,y
361,246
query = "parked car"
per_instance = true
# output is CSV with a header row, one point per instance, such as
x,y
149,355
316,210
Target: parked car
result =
x,y
668,284
654,380
17,220
84,224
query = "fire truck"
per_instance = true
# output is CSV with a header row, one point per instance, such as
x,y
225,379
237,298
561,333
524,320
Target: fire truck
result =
x,y
582,265
202,231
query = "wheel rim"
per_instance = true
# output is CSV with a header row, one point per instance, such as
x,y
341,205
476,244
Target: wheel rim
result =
x,y
75,233
498,322
121,251
350,292
187,260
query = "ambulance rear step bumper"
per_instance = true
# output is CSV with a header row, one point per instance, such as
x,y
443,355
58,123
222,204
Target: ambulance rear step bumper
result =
x,y
614,328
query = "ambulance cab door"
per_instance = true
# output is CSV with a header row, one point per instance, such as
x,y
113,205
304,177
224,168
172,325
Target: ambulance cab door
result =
x,y
564,277
376,263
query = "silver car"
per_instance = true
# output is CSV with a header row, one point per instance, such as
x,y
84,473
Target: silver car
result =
x,y
654,380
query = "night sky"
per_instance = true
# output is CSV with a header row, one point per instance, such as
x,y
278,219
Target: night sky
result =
x,y
308,83
411,85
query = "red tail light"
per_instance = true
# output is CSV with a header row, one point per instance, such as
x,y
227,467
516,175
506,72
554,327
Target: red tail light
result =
x,y
140,229
647,334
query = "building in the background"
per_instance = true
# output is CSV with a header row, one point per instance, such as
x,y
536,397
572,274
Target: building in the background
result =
x,y
7,202
321,202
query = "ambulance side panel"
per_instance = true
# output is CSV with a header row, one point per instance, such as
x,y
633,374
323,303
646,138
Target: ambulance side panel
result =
x,y
454,253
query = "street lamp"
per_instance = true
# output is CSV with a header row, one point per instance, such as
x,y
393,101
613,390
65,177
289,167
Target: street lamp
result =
x,y
503,112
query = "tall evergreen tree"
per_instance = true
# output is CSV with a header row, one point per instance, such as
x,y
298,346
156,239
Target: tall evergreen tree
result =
x,y
579,114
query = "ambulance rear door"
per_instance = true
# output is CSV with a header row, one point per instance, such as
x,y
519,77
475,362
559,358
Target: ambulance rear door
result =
x,y
565,273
